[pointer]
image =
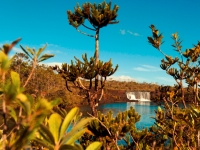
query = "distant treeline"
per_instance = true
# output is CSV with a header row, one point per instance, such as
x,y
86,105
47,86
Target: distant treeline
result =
x,y
46,83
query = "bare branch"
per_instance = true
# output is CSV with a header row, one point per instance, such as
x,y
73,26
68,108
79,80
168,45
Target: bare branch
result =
x,y
85,33
80,83
102,92
88,27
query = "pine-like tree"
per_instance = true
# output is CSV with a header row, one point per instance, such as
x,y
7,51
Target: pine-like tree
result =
x,y
98,16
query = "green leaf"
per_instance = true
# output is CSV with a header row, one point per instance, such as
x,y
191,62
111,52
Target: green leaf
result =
x,y
81,124
31,51
68,119
46,134
26,52
55,102
4,61
44,143
78,146
40,51
24,103
54,125
94,146
67,147
13,113
76,136
43,104
15,80
45,57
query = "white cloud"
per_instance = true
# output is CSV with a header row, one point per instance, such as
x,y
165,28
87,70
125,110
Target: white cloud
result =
x,y
52,45
53,51
53,64
147,68
17,50
135,33
140,69
122,32
122,78
165,79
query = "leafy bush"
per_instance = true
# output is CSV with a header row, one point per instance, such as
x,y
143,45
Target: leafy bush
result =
x,y
25,121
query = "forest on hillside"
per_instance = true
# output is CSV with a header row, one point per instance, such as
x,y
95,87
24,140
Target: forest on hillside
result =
x,y
46,83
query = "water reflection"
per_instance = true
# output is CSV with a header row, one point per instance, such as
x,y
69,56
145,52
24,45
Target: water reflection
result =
x,y
145,109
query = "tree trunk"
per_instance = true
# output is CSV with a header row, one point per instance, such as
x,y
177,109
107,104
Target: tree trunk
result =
x,y
96,55
92,104
197,93
93,107
182,92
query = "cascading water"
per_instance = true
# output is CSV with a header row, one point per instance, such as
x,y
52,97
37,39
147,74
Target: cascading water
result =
x,y
140,96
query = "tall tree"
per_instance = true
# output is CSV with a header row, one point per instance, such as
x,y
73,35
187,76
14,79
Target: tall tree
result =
x,y
98,16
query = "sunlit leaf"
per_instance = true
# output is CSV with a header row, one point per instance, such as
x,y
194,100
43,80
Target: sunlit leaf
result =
x,y
40,51
80,125
68,119
4,61
45,57
46,134
67,147
54,125
94,146
13,113
15,80
76,136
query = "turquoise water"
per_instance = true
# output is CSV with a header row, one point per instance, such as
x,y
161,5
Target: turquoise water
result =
x,y
145,109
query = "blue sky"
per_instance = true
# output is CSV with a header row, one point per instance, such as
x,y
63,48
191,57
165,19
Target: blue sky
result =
x,y
40,22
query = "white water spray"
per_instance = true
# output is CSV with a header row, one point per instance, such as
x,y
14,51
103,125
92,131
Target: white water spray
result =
x,y
140,96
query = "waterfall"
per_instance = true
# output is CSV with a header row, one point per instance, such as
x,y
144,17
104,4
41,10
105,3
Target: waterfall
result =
x,y
140,96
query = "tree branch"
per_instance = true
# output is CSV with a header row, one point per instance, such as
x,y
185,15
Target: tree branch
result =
x,y
79,81
88,27
101,123
85,33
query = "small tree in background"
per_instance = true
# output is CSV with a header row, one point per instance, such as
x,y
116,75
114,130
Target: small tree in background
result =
x,y
187,65
36,58
98,16
178,125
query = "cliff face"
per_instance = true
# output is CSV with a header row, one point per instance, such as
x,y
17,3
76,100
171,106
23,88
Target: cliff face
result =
x,y
112,96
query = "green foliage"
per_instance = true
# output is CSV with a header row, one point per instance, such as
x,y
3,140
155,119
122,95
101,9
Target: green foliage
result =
x,y
177,127
188,64
36,58
33,54
23,119
54,134
98,15
87,70
107,129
